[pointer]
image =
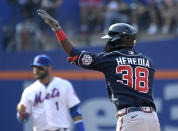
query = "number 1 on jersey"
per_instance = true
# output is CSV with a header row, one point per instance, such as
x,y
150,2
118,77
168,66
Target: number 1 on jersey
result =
x,y
57,105
141,77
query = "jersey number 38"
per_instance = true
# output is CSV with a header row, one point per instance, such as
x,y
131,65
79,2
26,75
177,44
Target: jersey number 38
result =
x,y
139,82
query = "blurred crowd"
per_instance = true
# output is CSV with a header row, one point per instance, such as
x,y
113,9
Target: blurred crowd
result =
x,y
30,33
150,17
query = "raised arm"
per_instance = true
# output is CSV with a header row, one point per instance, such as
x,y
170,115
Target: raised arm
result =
x,y
61,36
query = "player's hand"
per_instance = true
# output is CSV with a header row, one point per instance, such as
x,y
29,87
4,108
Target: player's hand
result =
x,y
21,109
22,116
49,20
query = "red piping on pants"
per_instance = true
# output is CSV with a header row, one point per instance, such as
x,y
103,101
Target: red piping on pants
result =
x,y
121,123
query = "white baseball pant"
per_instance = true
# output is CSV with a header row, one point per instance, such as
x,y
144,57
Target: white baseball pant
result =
x,y
145,120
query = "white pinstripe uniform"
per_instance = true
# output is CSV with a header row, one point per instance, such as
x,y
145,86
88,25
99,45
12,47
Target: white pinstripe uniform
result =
x,y
49,105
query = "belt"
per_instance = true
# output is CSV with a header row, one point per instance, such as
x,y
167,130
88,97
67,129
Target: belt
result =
x,y
61,129
132,109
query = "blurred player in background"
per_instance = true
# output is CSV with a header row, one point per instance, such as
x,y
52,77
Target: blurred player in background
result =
x,y
129,74
49,100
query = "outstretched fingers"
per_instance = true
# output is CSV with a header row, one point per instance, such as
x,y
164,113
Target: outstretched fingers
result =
x,y
43,14
48,19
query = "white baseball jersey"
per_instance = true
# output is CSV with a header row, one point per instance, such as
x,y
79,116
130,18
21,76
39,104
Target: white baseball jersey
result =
x,y
49,105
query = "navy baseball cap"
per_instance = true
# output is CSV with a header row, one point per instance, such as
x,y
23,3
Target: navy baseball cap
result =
x,y
41,60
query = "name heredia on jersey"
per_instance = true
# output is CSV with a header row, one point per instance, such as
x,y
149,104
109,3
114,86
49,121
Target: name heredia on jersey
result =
x,y
133,61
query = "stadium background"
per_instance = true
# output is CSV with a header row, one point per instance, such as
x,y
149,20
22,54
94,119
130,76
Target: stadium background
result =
x,y
98,111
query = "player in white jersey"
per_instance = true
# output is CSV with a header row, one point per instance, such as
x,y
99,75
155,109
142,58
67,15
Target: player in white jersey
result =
x,y
49,100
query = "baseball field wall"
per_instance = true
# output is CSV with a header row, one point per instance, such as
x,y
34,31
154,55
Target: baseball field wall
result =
x,y
98,112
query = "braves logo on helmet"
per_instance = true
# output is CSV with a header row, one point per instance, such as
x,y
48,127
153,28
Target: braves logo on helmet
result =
x,y
87,59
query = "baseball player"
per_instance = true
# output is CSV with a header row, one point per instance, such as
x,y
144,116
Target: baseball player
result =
x,y
129,74
49,100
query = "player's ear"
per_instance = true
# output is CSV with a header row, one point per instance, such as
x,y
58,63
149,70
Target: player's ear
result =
x,y
49,68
